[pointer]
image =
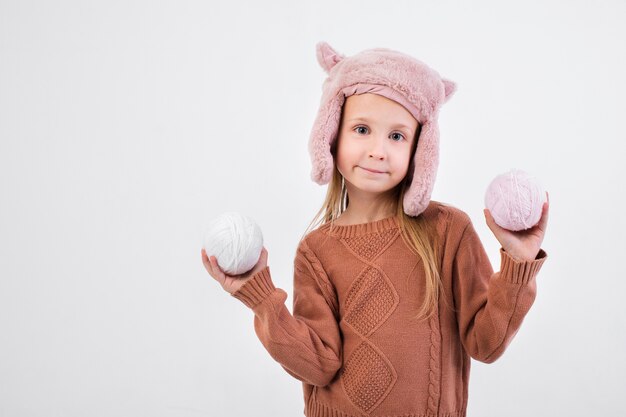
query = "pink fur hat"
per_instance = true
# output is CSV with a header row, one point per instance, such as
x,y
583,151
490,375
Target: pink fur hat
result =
x,y
397,76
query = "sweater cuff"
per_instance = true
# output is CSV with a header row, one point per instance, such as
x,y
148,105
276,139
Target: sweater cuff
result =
x,y
520,272
256,289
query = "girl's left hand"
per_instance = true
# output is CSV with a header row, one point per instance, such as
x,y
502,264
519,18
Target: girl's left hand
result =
x,y
522,245
232,283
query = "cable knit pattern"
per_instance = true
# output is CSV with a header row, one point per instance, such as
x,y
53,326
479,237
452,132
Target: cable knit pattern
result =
x,y
369,248
368,376
352,339
370,301
434,372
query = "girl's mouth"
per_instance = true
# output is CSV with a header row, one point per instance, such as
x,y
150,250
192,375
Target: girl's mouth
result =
x,y
371,170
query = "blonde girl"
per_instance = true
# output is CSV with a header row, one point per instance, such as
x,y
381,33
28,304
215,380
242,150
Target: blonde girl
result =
x,y
393,291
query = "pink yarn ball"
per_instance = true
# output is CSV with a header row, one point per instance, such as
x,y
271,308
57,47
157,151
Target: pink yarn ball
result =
x,y
515,200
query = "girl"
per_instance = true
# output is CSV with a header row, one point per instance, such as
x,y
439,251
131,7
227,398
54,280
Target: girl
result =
x,y
393,292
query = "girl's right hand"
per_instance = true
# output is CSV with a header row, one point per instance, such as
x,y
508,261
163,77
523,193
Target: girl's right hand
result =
x,y
231,283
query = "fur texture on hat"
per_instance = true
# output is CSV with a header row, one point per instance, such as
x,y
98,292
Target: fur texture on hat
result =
x,y
397,76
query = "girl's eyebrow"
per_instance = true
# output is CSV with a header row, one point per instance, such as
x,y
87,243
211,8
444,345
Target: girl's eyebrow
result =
x,y
362,119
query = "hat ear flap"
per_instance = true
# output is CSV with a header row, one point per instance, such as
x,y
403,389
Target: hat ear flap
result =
x,y
327,56
426,162
323,136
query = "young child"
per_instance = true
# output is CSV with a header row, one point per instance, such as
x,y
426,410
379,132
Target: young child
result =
x,y
393,292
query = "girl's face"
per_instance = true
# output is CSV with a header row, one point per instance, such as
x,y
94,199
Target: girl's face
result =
x,y
376,133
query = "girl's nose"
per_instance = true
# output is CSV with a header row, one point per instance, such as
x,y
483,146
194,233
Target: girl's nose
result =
x,y
378,149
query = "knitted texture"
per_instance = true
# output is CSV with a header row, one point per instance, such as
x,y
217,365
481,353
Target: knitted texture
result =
x,y
352,339
368,375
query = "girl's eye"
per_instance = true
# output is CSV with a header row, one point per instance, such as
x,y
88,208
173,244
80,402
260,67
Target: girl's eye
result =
x,y
401,136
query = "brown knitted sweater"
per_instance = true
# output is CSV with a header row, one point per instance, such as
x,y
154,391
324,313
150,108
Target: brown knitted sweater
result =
x,y
352,340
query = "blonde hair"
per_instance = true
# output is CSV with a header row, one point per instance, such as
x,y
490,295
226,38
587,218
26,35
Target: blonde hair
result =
x,y
420,236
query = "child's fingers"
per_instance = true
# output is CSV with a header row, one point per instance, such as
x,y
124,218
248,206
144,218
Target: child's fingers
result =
x,y
543,222
211,266
217,271
206,262
489,218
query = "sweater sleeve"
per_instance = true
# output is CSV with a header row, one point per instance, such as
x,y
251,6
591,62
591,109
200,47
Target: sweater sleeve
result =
x,y
490,307
306,344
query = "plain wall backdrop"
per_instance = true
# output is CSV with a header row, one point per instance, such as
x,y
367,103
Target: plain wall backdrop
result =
x,y
126,125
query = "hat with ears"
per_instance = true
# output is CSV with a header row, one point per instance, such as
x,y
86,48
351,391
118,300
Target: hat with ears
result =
x,y
396,76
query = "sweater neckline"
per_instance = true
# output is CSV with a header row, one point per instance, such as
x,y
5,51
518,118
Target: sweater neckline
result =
x,y
360,229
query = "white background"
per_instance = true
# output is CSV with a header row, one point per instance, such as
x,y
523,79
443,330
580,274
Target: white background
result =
x,y
126,125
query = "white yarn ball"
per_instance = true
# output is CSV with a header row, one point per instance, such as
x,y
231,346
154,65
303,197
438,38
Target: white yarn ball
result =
x,y
235,240
515,200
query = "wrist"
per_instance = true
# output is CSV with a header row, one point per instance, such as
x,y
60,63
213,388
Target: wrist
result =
x,y
520,257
